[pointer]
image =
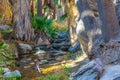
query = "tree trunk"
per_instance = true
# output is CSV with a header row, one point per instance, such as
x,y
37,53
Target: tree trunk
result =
x,y
72,13
108,51
88,29
105,53
40,8
52,8
32,7
110,25
41,37
1,39
21,20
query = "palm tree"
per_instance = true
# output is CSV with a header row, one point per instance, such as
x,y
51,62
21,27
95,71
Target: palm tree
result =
x,y
21,20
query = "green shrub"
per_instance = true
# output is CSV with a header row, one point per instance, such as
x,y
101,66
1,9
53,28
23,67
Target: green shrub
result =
x,y
50,26
1,70
44,24
5,56
3,60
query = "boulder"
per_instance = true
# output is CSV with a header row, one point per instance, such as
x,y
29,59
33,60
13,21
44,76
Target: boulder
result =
x,y
4,27
90,71
58,54
5,70
24,48
15,73
63,35
111,72
59,45
75,47
44,61
40,54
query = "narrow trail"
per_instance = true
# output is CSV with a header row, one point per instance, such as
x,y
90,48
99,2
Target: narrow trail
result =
x,y
27,67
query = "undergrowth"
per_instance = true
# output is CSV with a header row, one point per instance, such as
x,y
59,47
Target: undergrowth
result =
x,y
5,62
50,26
59,74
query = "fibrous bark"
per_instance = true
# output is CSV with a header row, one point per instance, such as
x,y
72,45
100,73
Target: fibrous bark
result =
x,y
21,20
32,8
1,39
89,29
107,52
40,8
110,26
41,38
71,22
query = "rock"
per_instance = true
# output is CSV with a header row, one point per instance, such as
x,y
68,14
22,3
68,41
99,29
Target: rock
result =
x,y
37,48
44,61
25,61
63,34
15,73
111,73
4,27
51,59
89,71
107,52
89,75
40,54
59,58
57,54
41,38
56,51
43,47
64,48
75,47
3,64
24,48
58,45
116,1
5,70
57,40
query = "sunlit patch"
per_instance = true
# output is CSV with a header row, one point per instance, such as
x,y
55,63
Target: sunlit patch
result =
x,y
27,67
50,69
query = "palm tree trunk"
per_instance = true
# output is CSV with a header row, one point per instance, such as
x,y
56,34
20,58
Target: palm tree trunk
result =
x,y
110,25
21,20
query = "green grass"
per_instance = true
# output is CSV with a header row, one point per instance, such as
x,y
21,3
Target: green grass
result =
x,y
66,68
1,70
59,76
11,78
70,55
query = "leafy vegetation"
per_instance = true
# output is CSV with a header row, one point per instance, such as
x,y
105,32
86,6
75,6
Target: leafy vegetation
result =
x,y
50,26
1,18
6,57
60,76
3,50
4,53
44,24
1,70
3,60
63,17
